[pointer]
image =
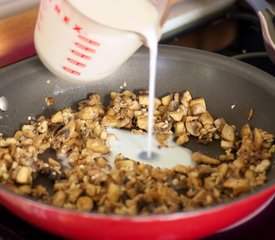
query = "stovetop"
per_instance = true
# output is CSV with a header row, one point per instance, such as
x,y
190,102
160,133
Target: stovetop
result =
x,y
247,47
13,228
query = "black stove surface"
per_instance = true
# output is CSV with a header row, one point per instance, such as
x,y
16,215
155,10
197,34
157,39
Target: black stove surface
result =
x,y
14,228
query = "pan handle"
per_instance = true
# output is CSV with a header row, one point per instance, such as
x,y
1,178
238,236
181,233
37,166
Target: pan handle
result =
x,y
258,5
266,15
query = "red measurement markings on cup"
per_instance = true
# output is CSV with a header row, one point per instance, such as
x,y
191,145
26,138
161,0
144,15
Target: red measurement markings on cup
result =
x,y
57,9
66,19
89,41
77,63
69,70
77,28
81,55
85,48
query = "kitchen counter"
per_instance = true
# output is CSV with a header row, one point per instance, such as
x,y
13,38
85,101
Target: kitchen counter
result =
x,y
16,37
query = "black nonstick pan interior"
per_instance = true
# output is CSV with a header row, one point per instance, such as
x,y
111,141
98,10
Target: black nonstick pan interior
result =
x,y
230,88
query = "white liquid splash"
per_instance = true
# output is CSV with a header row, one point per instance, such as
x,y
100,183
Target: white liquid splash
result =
x,y
131,146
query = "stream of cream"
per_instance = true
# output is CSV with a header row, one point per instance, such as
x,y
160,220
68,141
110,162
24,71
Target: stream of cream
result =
x,y
141,17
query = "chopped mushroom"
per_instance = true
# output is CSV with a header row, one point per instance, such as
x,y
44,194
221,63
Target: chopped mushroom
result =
x,y
87,182
237,186
197,106
228,133
24,175
201,158
193,127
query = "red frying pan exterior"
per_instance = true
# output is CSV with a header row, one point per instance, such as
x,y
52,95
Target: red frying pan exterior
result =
x,y
220,80
75,225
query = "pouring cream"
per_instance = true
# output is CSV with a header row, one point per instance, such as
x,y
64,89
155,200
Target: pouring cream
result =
x,y
141,17
132,146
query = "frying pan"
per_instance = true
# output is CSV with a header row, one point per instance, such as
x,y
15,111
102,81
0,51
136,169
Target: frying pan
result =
x,y
222,81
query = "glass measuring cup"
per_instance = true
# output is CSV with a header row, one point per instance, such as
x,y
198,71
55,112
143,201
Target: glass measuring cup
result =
x,y
74,46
